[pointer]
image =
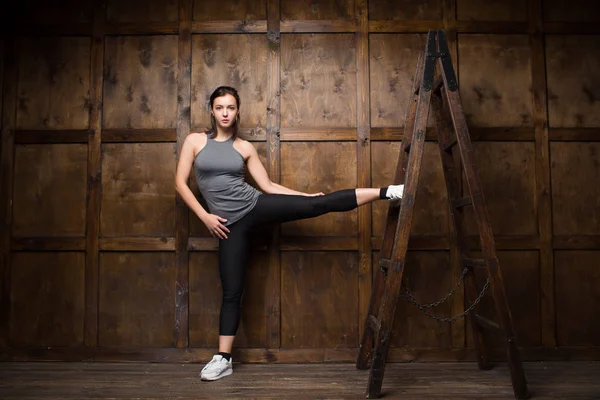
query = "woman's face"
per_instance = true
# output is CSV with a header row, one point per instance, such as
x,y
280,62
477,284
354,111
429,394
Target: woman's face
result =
x,y
225,110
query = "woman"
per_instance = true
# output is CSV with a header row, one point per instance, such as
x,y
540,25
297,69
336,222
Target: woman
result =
x,y
219,159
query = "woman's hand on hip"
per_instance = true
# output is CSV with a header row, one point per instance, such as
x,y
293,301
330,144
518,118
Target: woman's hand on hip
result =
x,y
215,226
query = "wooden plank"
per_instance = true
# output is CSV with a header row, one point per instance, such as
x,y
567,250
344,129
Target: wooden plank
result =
x,y
182,228
50,193
94,189
48,244
441,242
572,242
542,174
52,136
9,109
313,167
491,27
141,11
497,11
140,28
319,243
363,160
47,299
138,244
245,26
574,134
306,10
570,28
316,134
495,134
273,286
139,135
405,10
247,10
132,292
203,244
383,26
318,26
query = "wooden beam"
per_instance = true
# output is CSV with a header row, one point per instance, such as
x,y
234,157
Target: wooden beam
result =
x,y
140,28
363,162
323,243
94,180
49,244
579,242
407,26
574,134
53,29
509,134
184,94
317,135
571,28
9,116
137,244
203,244
318,26
273,284
259,26
495,27
542,172
53,136
138,135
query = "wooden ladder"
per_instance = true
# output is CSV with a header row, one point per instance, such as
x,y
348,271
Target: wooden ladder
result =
x,y
452,134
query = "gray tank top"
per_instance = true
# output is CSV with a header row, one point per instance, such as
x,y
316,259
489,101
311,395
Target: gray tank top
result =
x,y
220,177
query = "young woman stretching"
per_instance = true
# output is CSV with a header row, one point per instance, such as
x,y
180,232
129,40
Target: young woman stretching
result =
x,y
219,159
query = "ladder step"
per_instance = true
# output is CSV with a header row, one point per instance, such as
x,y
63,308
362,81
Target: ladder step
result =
x,y
461,202
374,323
488,324
450,142
474,262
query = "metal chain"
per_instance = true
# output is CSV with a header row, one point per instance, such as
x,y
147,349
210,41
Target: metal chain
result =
x,y
412,300
440,301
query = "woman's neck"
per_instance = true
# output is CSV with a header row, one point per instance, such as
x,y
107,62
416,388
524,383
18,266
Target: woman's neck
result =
x,y
223,135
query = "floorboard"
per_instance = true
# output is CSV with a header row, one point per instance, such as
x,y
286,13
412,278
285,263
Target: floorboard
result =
x,y
60,380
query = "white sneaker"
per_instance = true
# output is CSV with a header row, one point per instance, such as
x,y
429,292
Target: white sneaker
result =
x,y
394,192
217,368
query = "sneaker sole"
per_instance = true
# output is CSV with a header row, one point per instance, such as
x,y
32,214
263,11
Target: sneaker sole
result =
x,y
222,375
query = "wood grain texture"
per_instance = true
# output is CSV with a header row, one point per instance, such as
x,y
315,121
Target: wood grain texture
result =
x,y
495,10
52,136
318,80
317,10
318,299
140,82
206,295
573,86
431,210
50,190
313,167
495,79
134,289
577,297
54,83
229,10
507,176
137,189
47,299
571,11
405,10
575,201
237,60
392,60
141,11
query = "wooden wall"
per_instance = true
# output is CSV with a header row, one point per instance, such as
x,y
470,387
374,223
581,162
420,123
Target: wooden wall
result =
x,y
102,261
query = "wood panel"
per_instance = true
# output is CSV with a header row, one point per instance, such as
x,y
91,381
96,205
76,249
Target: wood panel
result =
x,y
318,80
136,299
141,11
206,296
47,299
412,328
405,10
54,83
50,190
137,189
235,60
495,80
229,10
494,10
431,204
393,59
51,12
575,170
572,11
573,87
313,167
507,175
577,297
140,82
521,273
317,10
319,303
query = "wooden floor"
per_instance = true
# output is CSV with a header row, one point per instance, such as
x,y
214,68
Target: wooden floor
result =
x,y
53,380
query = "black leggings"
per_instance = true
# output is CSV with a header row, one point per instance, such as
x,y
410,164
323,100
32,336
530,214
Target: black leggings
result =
x,y
270,208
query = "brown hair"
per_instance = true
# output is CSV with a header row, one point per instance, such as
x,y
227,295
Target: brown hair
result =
x,y
220,92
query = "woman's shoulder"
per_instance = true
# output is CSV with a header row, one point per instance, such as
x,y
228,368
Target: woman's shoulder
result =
x,y
197,136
